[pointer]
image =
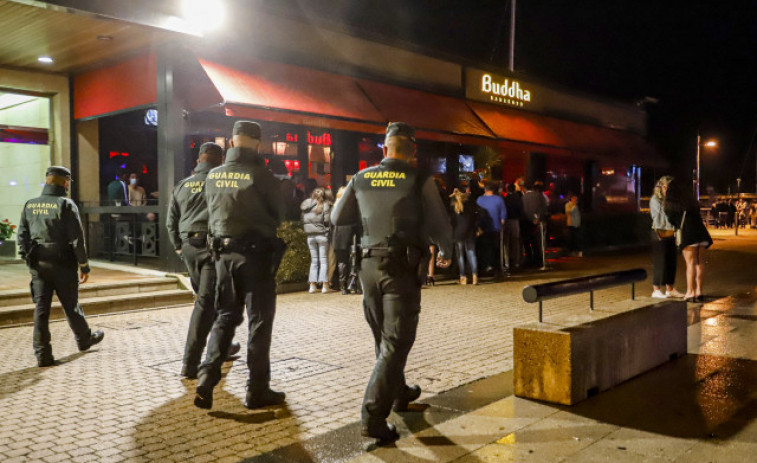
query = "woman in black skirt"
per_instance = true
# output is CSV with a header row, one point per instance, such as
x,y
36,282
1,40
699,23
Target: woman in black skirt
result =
x,y
682,211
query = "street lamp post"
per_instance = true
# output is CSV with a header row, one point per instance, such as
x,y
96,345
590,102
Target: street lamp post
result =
x,y
738,198
708,144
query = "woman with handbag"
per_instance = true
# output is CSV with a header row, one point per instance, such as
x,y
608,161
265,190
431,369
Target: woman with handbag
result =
x,y
315,218
664,257
692,237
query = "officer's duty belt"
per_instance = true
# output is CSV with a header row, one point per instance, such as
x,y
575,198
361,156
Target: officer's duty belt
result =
x,y
201,235
236,245
377,252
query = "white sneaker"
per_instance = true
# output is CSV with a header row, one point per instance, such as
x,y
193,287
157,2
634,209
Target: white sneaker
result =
x,y
313,288
325,288
657,294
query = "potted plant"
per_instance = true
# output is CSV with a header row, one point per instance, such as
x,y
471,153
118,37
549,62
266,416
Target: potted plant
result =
x,y
7,246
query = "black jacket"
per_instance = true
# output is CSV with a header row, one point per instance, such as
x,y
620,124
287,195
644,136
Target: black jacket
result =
x,y
393,198
464,224
188,209
52,222
244,198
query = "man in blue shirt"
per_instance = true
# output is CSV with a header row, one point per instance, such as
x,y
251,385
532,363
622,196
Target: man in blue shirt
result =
x,y
493,216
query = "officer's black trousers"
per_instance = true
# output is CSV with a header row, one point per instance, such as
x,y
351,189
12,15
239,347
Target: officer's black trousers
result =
x,y
202,273
242,280
63,279
392,306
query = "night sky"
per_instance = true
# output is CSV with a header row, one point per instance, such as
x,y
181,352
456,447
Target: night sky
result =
x,y
698,58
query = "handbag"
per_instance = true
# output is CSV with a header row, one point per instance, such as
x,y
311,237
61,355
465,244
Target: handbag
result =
x,y
679,231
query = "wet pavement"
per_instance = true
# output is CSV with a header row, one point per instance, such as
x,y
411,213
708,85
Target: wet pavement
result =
x,y
124,401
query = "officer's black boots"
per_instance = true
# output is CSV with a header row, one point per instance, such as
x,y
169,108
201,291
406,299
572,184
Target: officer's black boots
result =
x,y
384,432
408,394
190,371
262,398
94,338
204,397
234,349
46,362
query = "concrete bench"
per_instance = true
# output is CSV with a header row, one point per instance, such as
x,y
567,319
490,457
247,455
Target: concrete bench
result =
x,y
570,358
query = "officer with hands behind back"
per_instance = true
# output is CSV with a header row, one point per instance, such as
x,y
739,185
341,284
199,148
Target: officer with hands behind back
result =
x,y
187,225
51,240
400,211
245,208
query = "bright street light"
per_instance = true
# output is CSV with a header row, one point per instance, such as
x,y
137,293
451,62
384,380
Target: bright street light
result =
x,y
204,15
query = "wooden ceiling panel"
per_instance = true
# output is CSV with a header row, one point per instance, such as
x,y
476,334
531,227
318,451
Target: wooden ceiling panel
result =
x,y
70,39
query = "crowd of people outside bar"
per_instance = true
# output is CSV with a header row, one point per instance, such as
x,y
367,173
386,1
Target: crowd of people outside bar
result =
x,y
730,213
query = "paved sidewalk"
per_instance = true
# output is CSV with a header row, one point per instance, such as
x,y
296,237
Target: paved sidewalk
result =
x,y
124,401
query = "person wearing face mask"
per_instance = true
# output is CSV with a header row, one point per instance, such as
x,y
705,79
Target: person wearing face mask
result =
x,y
137,195
51,240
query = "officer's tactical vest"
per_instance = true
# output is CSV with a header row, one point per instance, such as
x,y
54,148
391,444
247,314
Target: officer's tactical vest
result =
x,y
236,196
389,198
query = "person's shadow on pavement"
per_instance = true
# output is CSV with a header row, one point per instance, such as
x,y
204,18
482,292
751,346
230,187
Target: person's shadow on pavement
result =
x,y
18,380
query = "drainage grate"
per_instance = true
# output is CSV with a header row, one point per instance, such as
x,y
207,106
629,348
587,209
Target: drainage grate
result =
x,y
288,370
123,325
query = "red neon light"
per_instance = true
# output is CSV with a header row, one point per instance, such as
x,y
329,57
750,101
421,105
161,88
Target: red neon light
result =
x,y
324,140
297,164
114,154
144,168
362,165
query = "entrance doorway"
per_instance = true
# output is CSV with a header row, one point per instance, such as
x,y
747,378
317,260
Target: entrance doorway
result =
x,y
24,153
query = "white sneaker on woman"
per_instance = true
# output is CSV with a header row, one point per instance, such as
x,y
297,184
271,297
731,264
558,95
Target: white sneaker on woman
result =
x,y
313,288
657,294
325,288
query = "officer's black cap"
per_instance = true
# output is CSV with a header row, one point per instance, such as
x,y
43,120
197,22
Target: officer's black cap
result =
x,y
400,129
212,149
249,128
60,171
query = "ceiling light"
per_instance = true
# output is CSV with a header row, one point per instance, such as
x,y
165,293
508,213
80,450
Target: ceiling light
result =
x,y
105,38
45,59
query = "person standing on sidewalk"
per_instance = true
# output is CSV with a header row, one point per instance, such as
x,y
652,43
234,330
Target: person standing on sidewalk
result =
x,y
245,208
682,210
51,240
573,222
401,211
493,216
513,244
664,256
464,225
316,211
187,225
535,210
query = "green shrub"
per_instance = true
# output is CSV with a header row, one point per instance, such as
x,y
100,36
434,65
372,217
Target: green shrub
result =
x,y
296,262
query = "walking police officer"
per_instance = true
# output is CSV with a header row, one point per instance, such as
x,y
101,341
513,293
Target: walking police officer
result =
x,y
187,225
245,209
51,240
401,211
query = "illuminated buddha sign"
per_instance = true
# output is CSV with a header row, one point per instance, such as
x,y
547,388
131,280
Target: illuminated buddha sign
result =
x,y
491,88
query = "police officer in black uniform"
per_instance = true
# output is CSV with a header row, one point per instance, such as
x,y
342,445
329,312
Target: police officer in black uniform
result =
x,y
187,225
245,209
51,240
400,211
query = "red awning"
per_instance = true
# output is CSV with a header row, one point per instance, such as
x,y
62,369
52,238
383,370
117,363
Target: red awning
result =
x,y
424,110
125,85
519,126
285,88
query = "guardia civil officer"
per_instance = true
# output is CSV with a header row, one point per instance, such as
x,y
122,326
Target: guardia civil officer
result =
x,y
245,209
187,225
51,240
401,211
